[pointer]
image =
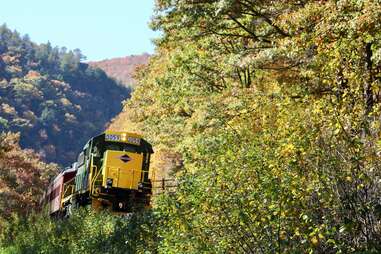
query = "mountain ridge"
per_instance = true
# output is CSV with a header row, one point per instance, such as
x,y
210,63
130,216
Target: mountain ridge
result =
x,y
122,69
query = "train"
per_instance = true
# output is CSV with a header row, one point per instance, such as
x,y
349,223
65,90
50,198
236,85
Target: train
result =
x,y
111,172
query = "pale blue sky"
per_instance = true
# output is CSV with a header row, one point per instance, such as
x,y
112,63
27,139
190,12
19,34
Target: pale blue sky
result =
x,y
100,28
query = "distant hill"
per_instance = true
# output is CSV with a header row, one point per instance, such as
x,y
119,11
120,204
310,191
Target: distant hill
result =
x,y
53,99
122,68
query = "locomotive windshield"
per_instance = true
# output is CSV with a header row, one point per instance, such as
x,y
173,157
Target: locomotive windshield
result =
x,y
120,147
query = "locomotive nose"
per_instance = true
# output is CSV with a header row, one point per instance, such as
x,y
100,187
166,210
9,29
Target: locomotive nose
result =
x,y
122,169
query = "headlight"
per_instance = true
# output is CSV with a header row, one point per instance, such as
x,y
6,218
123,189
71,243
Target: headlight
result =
x,y
109,183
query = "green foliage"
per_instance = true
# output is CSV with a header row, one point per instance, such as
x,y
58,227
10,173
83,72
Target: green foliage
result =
x,y
4,123
83,232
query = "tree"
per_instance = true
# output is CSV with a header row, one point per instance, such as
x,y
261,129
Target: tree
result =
x,y
23,178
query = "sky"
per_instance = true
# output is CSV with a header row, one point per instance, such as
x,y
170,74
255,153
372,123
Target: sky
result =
x,y
101,29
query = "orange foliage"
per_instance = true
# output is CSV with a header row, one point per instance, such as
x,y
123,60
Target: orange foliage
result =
x,y
23,177
33,75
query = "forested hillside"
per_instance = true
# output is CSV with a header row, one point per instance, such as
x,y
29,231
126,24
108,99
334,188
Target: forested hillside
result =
x,y
122,68
56,102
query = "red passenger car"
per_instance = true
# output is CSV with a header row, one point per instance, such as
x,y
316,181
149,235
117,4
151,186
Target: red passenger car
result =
x,y
55,192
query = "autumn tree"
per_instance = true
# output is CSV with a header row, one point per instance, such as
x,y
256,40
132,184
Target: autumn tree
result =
x,y
23,178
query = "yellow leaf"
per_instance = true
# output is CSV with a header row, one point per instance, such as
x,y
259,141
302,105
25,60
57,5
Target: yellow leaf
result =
x,y
314,240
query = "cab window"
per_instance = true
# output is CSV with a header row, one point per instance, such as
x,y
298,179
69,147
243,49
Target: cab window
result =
x,y
81,159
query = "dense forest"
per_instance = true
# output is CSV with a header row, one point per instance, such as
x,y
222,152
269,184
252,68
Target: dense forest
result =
x,y
56,102
268,115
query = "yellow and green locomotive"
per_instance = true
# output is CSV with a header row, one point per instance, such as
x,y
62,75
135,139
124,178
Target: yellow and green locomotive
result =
x,y
111,171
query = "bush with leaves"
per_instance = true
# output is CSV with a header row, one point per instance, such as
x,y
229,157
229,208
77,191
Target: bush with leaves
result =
x,y
84,232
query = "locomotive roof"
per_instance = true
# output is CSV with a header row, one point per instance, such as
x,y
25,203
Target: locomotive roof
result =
x,y
129,134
